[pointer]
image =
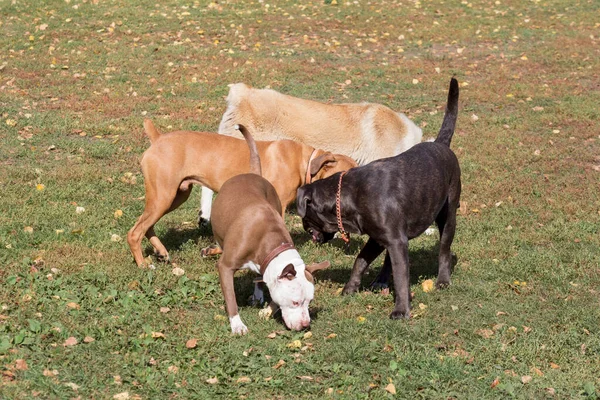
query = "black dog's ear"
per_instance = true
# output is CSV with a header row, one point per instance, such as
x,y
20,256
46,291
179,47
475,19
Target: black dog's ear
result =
x,y
303,199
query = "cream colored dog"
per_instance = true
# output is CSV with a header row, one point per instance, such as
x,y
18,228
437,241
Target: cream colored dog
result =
x,y
361,131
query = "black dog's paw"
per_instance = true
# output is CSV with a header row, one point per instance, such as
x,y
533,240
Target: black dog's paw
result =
x,y
442,284
400,315
349,289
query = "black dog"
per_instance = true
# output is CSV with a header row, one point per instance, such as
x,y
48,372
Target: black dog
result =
x,y
392,200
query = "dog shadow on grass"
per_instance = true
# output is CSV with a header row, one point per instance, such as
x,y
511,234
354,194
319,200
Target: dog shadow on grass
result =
x,y
423,264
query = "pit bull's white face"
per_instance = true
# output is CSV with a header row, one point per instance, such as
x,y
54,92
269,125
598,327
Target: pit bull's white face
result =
x,y
290,289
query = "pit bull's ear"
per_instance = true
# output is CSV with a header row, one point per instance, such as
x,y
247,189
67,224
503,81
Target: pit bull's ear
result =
x,y
303,198
289,272
326,159
314,267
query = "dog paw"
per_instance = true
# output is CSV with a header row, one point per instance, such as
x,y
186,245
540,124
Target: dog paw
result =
x,y
400,315
442,284
163,258
349,289
211,251
237,326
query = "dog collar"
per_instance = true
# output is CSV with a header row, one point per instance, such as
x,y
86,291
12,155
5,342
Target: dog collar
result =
x,y
308,178
278,250
338,210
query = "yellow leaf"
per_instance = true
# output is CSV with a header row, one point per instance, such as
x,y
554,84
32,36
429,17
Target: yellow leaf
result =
x,y
427,285
156,335
118,214
390,388
331,335
307,335
296,344
40,187
361,319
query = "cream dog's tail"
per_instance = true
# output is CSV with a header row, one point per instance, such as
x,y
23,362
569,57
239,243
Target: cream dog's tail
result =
x,y
151,131
254,158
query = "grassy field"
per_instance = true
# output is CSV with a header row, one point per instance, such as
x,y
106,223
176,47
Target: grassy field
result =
x,y
79,320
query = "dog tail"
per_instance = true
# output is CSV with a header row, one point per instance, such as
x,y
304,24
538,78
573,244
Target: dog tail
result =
x,y
254,158
447,129
151,130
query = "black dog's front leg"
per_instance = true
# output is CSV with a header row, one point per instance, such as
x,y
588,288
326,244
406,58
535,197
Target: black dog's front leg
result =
x,y
399,257
366,256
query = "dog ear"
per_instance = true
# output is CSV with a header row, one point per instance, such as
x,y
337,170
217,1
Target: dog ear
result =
x,y
314,267
303,199
326,159
289,272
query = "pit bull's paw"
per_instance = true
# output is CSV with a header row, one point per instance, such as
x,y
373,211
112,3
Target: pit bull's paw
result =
x,y
237,326
379,286
400,315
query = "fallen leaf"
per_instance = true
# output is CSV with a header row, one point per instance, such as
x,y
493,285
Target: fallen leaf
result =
x,y
495,382
88,339
422,306
279,364
485,333
554,366
28,229
305,378
121,396
165,310
526,379
244,379
72,385
79,210
48,372
296,344
73,305
118,214
390,388
115,238
173,369
71,341
212,381
40,187
272,335
307,335
536,371
361,319
427,285
21,365
331,336
178,271
415,81
156,335
191,344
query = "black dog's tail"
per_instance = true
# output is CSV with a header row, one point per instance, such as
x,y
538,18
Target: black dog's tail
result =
x,y
447,129
254,158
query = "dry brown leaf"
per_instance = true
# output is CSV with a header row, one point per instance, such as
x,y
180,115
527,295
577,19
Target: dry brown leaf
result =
x,y
88,339
272,335
526,379
390,388
72,341
244,379
191,344
156,335
485,333
554,366
279,364
536,371
212,381
73,305
495,382
305,378
173,369
21,365
331,336
121,396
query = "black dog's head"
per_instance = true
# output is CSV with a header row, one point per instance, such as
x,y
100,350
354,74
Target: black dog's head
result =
x,y
316,207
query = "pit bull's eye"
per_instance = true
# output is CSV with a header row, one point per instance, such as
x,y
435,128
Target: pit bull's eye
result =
x,y
295,303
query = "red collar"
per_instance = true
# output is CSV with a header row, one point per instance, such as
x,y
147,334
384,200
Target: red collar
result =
x,y
277,251
307,177
338,211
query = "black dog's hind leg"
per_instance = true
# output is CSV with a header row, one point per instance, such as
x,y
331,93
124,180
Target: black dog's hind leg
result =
x,y
446,222
366,256
383,279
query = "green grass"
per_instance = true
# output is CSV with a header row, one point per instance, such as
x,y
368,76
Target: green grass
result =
x,y
76,81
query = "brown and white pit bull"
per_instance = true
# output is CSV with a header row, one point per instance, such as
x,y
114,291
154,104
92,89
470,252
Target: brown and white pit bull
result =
x,y
248,225
176,160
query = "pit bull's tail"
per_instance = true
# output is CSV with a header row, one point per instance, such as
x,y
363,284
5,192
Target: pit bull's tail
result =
x,y
151,131
447,129
254,158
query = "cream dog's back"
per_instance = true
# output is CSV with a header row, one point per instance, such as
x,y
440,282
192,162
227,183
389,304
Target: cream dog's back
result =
x,y
362,131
